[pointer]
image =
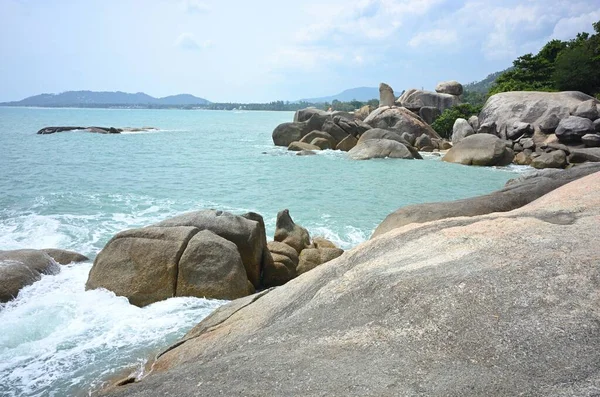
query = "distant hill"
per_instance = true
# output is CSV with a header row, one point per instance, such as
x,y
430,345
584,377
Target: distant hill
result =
x,y
484,85
362,94
98,99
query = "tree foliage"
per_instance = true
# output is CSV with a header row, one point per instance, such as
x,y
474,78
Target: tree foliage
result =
x,y
560,65
443,124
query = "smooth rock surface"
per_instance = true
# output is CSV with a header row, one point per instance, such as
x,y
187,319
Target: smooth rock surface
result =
x,y
479,306
416,99
451,87
591,140
302,146
386,95
554,159
587,109
286,133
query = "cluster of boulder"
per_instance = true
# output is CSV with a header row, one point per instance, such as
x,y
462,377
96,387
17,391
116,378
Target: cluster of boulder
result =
x,y
20,268
97,130
211,254
429,105
541,129
388,131
494,295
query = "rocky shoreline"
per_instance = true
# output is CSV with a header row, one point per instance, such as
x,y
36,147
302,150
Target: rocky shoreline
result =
x,y
541,129
466,302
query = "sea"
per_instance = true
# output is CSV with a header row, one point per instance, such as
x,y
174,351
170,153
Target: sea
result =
x,y
75,190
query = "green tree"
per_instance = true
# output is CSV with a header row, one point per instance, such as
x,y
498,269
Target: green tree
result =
x,y
443,124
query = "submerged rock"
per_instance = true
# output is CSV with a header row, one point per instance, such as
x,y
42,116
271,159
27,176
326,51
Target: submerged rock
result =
x,y
65,257
457,307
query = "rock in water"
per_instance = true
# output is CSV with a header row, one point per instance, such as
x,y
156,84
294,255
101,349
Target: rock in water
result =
x,y
451,87
466,307
20,268
347,143
386,95
300,146
286,133
286,231
65,257
378,149
480,149
143,264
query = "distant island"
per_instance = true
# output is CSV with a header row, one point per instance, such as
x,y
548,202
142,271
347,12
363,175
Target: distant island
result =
x,y
118,99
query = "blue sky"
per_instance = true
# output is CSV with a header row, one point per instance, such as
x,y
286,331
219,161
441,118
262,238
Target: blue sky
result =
x,y
263,50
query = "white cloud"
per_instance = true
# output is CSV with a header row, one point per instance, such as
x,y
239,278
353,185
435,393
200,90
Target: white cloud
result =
x,y
195,7
187,41
364,20
436,37
304,58
567,28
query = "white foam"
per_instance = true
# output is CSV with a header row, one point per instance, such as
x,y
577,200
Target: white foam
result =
x,y
58,339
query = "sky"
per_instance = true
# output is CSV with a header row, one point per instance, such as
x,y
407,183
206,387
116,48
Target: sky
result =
x,y
265,50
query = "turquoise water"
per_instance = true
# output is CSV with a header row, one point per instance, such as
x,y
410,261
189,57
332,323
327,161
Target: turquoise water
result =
x,y
74,190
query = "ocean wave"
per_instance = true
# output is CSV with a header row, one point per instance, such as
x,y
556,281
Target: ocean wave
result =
x,y
56,338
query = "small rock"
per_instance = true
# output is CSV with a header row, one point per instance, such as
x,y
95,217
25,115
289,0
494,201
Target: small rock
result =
x,y
460,130
519,129
549,123
573,128
322,143
522,159
591,140
587,109
474,122
347,144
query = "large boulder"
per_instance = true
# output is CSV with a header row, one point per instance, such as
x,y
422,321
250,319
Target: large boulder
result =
x,y
146,264
378,149
480,149
379,133
531,107
141,264
20,268
65,257
571,129
246,232
460,130
401,120
417,99
517,193
211,266
451,87
554,159
288,232
286,133
386,95
492,305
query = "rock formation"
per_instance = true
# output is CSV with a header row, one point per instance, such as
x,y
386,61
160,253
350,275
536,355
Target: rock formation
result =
x,y
386,95
498,304
98,130
480,149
